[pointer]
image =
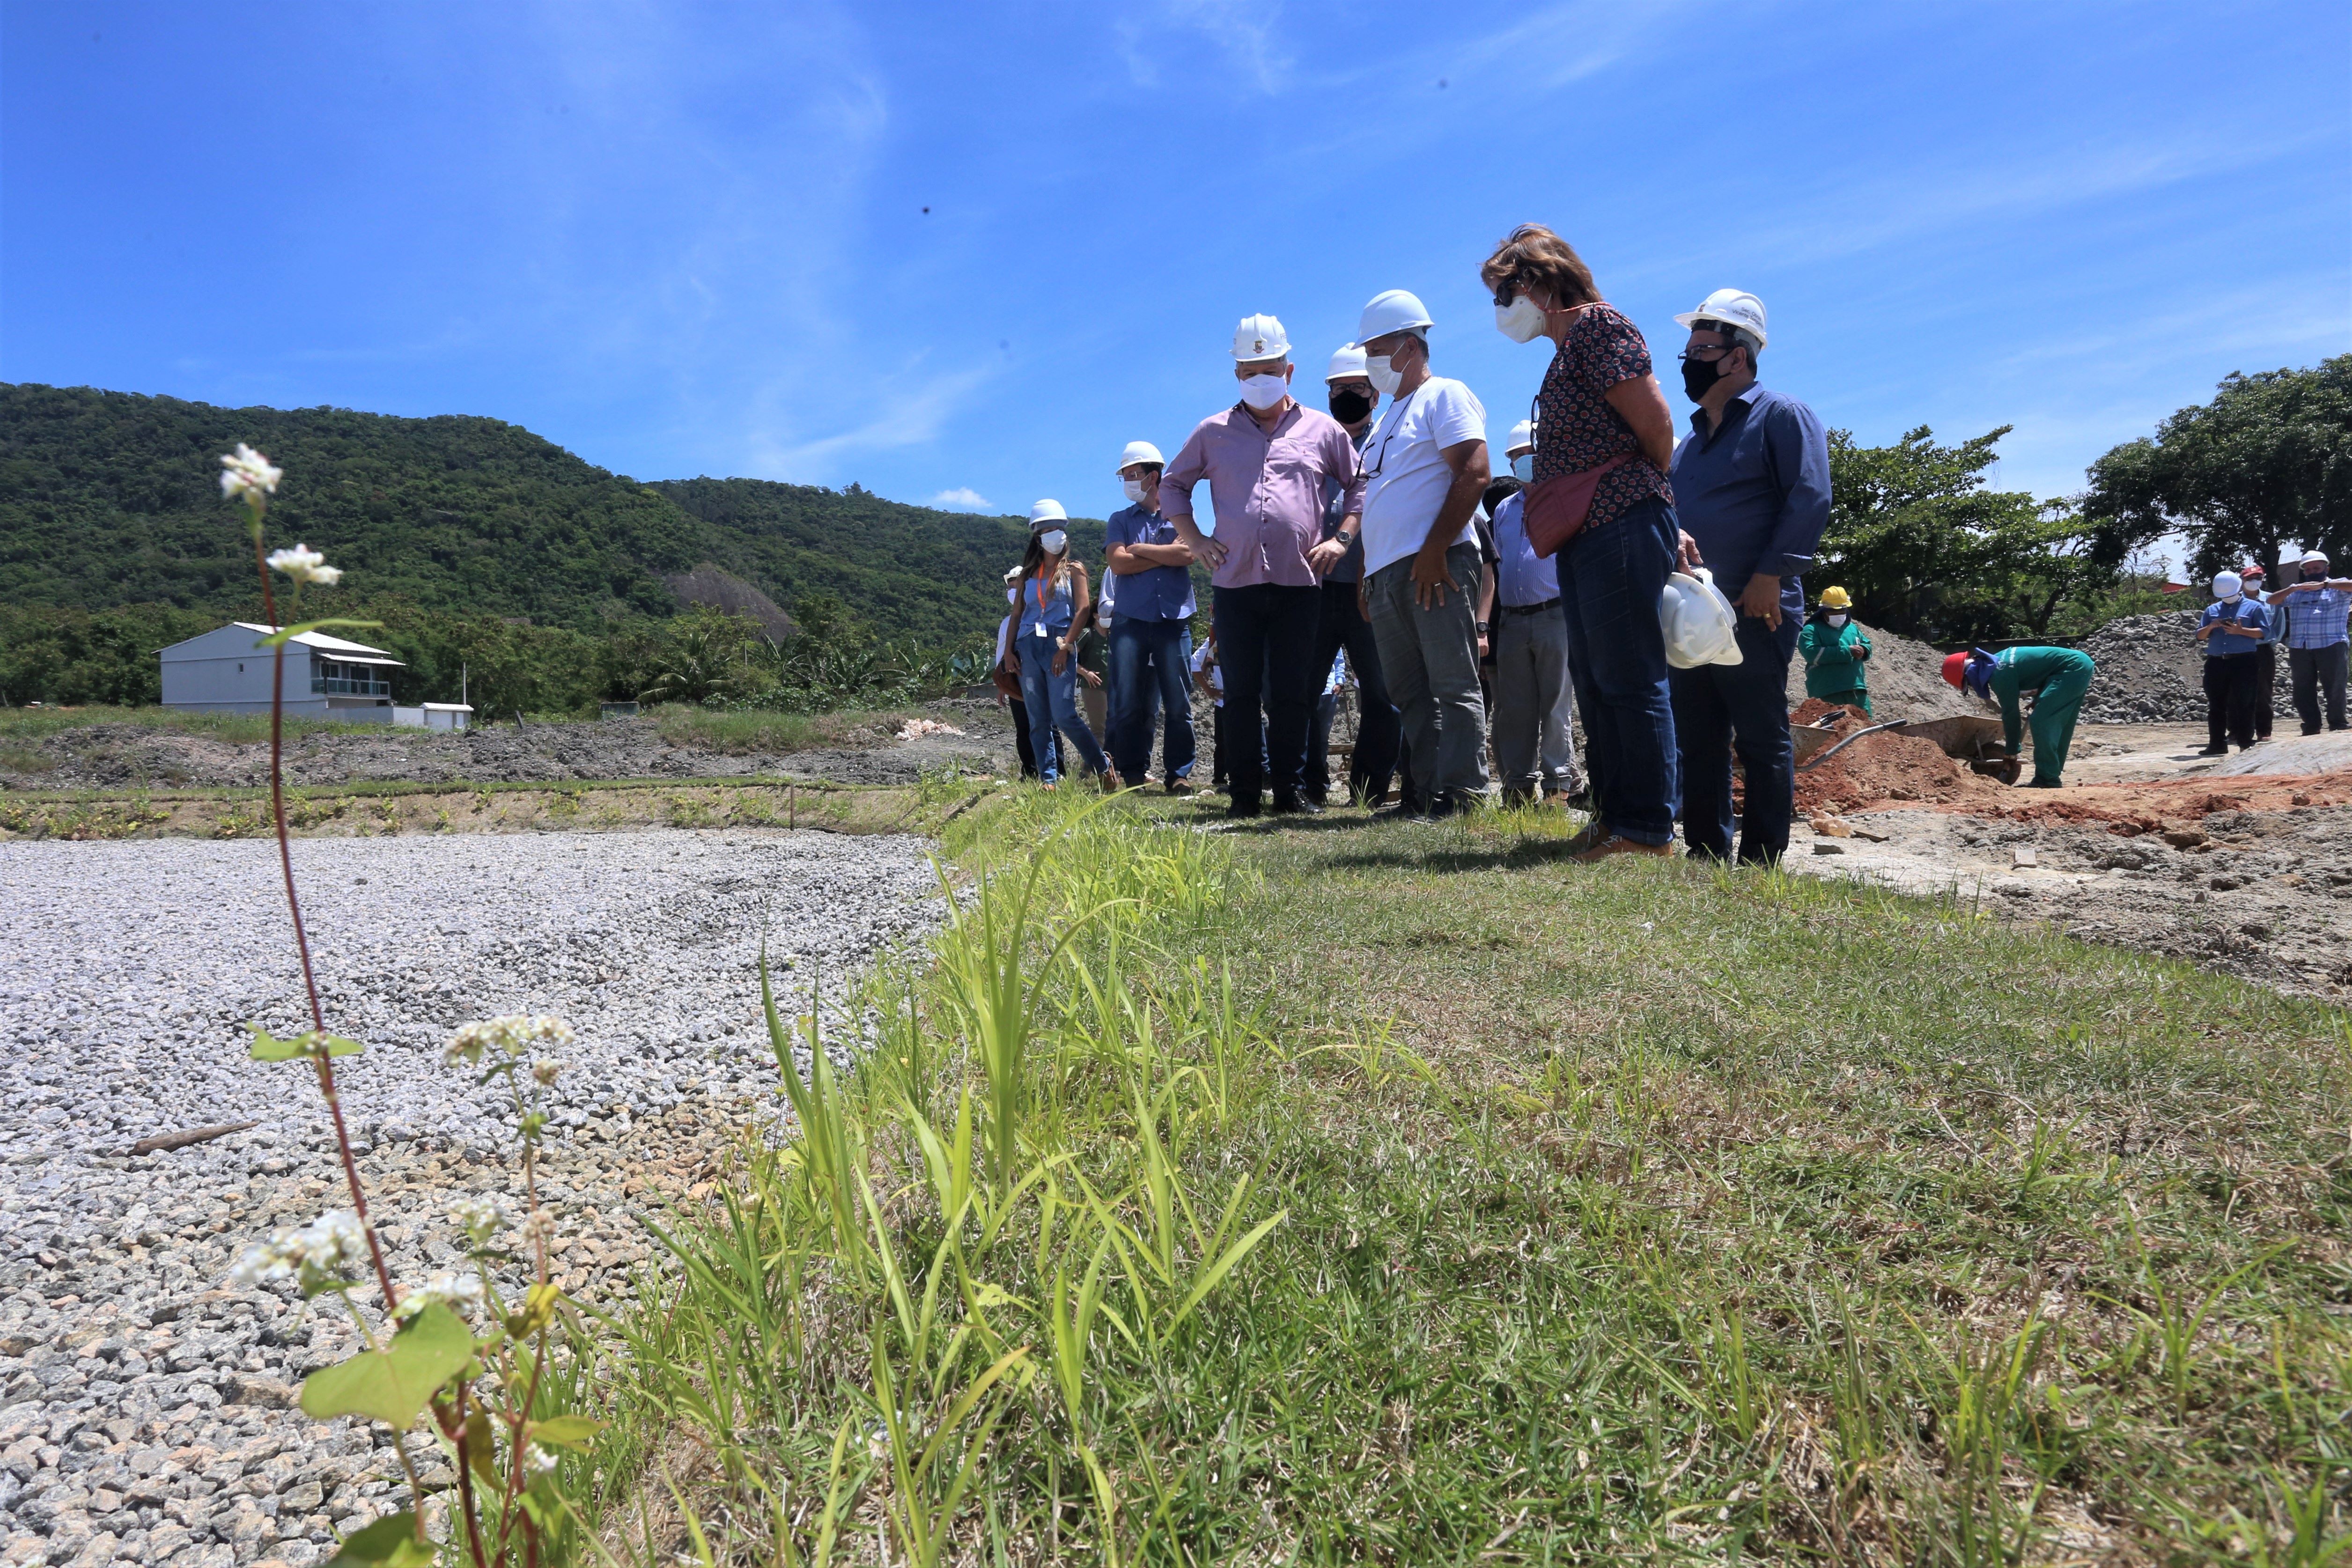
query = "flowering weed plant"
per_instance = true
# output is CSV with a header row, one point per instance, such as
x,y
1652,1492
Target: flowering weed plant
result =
x,y
457,1348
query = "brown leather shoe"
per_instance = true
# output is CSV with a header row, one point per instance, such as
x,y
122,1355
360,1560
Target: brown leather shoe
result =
x,y
1619,844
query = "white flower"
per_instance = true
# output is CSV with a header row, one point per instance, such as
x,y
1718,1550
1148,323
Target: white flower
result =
x,y
318,1252
247,473
479,1218
538,1461
459,1292
538,1229
507,1035
546,1070
304,564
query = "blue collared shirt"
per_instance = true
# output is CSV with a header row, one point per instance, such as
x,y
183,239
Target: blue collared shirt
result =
x,y
1521,576
1755,493
2223,644
1156,593
2314,617
1335,512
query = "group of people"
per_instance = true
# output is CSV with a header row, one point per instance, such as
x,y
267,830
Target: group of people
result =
x,y
1377,527
2241,630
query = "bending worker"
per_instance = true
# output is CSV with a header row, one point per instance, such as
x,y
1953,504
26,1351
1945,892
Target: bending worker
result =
x,y
1834,648
2056,677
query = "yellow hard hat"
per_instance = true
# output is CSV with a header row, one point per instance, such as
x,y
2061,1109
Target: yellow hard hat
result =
x,y
1836,599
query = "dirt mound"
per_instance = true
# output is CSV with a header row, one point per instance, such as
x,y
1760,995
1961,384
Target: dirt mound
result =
x,y
1876,769
1906,680
2151,671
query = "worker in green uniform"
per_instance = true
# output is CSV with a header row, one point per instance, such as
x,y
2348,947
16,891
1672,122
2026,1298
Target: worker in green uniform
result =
x,y
2056,677
1834,648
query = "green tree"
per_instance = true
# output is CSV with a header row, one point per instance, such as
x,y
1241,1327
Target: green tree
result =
x,y
702,655
2268,461
1926,550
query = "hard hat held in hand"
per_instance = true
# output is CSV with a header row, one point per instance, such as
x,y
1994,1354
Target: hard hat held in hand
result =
x,y
1699,624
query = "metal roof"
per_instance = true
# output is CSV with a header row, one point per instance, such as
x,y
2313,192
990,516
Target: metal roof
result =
x,y
344,652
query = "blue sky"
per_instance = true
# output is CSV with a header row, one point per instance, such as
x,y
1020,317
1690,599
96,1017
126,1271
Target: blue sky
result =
x,y
687,239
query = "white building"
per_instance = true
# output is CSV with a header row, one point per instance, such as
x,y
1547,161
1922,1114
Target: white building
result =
x,y
326,677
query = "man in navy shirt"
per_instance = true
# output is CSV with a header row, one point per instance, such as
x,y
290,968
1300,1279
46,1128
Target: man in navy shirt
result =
x,y
1752,487
1150,627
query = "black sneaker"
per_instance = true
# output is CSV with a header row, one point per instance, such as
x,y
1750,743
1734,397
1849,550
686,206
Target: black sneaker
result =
x,y
2212,751
1297,806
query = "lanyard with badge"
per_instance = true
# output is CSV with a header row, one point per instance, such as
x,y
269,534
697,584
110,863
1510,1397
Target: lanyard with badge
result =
x,y
1038,629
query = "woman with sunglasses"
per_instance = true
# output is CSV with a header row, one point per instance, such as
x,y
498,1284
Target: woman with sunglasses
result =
x,y
1600,415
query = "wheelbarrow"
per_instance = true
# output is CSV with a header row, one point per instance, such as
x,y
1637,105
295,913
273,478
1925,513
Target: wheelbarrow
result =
x,y
1980,742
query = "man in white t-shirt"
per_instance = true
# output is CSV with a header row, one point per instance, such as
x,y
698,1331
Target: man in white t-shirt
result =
x,y
1425,469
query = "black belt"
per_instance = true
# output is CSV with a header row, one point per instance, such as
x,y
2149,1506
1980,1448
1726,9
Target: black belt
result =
x,y
1552,603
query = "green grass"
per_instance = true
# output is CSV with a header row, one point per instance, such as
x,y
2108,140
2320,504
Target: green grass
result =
x,y
1407,1195
735,733
36,724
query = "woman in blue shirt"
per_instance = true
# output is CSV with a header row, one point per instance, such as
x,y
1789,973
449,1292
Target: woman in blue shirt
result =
x,y
1053,603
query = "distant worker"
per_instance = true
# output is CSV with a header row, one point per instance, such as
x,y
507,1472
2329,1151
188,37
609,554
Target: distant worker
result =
x,y
2315,608
1151,628
2058,678
2231,630
1425,469
1834,648
1051,611
1349,393
1266,459
2265,652
1751,486
1534,753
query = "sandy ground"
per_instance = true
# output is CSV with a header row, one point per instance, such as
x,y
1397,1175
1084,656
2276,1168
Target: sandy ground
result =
x,y
2241,864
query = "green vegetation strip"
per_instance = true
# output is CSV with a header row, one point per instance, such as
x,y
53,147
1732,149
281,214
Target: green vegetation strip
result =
x,y
1409,1195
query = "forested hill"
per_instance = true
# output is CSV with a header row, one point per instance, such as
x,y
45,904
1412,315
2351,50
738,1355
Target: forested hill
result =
x,y
112,498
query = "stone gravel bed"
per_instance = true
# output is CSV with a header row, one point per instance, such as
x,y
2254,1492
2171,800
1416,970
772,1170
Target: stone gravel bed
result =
x,y
146,1406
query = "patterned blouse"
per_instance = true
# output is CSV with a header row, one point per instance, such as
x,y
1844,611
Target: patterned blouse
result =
x,y
1575,427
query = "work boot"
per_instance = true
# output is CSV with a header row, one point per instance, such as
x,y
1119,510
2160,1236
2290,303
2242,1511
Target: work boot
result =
x,y
2043,784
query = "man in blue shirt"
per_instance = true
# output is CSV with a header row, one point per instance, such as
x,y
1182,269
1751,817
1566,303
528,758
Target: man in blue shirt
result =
x,y
1752,488
2309,615
2230,628
1150,627
1533,754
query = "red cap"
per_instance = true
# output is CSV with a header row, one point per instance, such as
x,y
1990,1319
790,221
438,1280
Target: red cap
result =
x,y
1955,666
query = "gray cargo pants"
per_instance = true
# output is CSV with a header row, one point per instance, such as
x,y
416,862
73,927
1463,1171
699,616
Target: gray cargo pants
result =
x,y
1533,754
1430,658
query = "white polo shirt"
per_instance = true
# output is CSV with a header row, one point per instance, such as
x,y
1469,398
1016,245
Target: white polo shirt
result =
x,y
1405,473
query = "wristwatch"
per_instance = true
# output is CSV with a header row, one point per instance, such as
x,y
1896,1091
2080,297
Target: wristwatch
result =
x,y
1482,628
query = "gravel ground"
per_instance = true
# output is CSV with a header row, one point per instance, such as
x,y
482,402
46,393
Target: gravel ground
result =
x,y
2151,671
144,1404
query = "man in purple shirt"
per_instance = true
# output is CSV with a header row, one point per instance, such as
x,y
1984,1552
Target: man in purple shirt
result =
x,y
1266,459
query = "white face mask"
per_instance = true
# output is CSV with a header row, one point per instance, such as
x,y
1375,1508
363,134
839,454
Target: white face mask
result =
x,y
2233,599
1262,392
1139,491
1053,539
1522,320
1835,620
1523,467
1385,379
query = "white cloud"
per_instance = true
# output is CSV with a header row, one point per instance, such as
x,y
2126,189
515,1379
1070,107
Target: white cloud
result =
x,y
963,498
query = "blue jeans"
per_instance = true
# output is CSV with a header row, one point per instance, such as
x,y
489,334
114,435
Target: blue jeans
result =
x,y
1151,668
1743,708
1609,580
1053,703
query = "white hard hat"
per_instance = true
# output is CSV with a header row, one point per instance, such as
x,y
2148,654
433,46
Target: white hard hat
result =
x,y
1523,437
2226,583
1260,337
1348,364
1697,621
2315,555
1392,310
1137,452
1045,512
1733,307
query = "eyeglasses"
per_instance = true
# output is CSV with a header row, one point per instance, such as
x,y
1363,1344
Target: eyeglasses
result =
x,y
1706,353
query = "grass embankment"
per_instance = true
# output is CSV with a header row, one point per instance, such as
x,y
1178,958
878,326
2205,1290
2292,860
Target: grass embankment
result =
x,y
1406,1195
383,810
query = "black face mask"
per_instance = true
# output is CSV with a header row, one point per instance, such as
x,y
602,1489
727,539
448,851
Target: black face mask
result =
x,y
1498,492
1349,406
1697,376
